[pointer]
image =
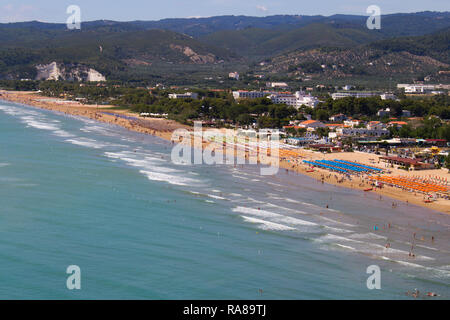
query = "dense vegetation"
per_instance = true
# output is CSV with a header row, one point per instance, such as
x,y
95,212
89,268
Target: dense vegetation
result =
x,y
108,50
430,128
367,108
436,46
218,108
155,51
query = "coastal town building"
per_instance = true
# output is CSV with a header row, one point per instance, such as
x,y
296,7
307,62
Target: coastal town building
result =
x,y
338,117
243,94
384,112
416,88
233,75
359,132
388,96
348,87
375,125
398,124
296,100
277,85
352,122
307,139
186,95
335,126
311,124
355,94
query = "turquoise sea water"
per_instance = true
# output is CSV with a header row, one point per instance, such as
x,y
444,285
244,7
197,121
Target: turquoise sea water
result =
x,y
77,192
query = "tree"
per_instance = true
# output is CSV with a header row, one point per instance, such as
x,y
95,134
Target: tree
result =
x,y
322,132
447,162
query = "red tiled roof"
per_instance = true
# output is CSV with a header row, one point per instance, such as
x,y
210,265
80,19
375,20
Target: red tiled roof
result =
x,y
398,122
309,122
435,140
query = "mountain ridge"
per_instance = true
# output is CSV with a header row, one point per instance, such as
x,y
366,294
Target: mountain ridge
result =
x,y
285,41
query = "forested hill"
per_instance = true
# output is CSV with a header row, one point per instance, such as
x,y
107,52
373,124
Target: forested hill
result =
x,y
286,42
105,48
399,56
436,45
393,25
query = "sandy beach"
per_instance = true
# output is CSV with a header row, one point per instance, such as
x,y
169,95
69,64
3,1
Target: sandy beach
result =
x,y
164,128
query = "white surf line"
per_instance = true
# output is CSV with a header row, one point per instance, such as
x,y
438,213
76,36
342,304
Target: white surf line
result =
x,y
267,225
171,179
85,142
277,217
216,197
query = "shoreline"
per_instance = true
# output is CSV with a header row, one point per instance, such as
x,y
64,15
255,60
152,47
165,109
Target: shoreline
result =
x,y
164,128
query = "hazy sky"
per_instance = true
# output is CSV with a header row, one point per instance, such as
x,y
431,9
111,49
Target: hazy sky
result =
x,y
55,10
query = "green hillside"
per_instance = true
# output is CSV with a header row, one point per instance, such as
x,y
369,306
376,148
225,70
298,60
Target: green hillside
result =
x,y
289,45
436,45
394,57
258,43
107,50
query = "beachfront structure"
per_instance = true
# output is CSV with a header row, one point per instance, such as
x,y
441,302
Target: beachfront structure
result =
x,y
414,164
243,94
302,141
355,94
186,95
153,115
325,147
296,100
360,132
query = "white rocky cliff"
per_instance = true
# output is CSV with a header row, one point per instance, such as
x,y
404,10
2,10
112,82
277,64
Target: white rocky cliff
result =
x,y
55,71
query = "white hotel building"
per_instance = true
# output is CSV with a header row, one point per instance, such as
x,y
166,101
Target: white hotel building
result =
x,y
419,88
191,95
296,100
358,132
356,94
242,94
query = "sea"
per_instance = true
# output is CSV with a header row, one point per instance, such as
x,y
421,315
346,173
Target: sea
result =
x,y
76,192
